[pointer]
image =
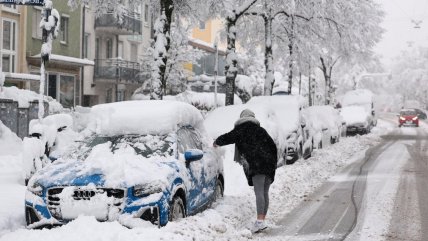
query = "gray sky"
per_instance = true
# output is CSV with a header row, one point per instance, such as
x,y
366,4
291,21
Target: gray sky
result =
x,y
400,31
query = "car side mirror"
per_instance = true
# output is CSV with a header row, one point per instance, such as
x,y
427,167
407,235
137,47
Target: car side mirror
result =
x,y
193,155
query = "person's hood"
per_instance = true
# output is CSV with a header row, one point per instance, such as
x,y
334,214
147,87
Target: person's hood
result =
x,y
247,116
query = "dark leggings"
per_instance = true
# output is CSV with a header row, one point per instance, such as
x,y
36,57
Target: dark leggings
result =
x,y
261,188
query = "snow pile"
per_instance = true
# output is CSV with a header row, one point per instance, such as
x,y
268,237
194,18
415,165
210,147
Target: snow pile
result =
x,y
354,115
81,117
143,117
10,144
24,97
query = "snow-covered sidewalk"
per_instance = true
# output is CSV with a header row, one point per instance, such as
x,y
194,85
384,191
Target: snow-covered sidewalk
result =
x,y
229,218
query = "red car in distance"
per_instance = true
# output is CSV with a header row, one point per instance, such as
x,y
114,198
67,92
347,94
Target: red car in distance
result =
x,y
408,117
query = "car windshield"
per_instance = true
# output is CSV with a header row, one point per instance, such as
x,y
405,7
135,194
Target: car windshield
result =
x,y
145,145
408,112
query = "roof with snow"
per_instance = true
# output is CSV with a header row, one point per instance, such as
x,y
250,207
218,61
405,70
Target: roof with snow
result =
x,y
21,76
67,60
154,117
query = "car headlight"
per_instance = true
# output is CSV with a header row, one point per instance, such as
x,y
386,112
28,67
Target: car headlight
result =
x,y
146,190
415,118
35,188
402,118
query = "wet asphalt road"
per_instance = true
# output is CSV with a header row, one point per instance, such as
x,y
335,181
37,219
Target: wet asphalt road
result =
x,y
383,196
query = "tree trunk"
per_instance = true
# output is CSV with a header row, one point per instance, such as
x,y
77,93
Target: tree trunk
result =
x,y
231,60
310,87
269,78
158,79
231,68
327,80
290,50
300,83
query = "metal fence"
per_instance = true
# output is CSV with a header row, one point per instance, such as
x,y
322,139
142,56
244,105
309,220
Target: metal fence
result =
x,y
18,119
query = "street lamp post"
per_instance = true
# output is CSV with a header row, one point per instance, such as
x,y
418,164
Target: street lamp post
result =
x,y
215,72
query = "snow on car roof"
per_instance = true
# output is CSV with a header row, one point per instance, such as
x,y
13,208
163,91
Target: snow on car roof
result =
x,y
222,120
287,108
356,97
143,117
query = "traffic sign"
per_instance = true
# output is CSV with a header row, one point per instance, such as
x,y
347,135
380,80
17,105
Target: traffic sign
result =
x,y
23,2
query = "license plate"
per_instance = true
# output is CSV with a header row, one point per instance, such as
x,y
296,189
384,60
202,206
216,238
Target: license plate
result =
x,y
409,122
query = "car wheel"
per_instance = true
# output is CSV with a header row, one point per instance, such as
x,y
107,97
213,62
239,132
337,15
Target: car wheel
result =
x,y
176,209
218,190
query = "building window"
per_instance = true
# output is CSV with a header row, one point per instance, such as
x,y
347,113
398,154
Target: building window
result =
x,y
134,52
66,91
62,88
64,30
8,49
35,25
97,48
146,13
86,46
120,52
201,25
109,96
109,50
120,95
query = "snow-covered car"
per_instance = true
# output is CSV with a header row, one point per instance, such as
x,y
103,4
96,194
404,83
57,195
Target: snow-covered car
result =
x,y
140,160
364,98
222,119
292,125
327,124
357,120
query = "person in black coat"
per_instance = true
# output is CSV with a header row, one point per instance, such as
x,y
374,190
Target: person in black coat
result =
x,y
257,153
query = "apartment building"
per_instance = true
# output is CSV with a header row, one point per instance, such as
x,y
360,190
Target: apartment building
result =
x,y
12,46
116,47
204,37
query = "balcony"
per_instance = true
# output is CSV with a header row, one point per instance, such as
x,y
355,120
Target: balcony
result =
x,y
130,24
119,71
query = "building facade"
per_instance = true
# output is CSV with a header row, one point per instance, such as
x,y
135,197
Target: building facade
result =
x,y
116,47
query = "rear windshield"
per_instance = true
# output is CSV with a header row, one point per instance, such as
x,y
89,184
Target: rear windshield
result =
x,y
408,112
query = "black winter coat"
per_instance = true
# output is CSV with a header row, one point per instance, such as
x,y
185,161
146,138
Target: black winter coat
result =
x,y
256,146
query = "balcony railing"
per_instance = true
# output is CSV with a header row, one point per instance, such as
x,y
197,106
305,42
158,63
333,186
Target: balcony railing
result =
x,y
119,71
130,23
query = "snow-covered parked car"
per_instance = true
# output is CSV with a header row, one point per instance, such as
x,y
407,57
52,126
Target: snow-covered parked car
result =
x,y
222,120
140,160
357,119
364,98
291,124
327,124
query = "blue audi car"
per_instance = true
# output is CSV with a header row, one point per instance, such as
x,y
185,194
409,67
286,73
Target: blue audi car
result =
x,y
150,160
